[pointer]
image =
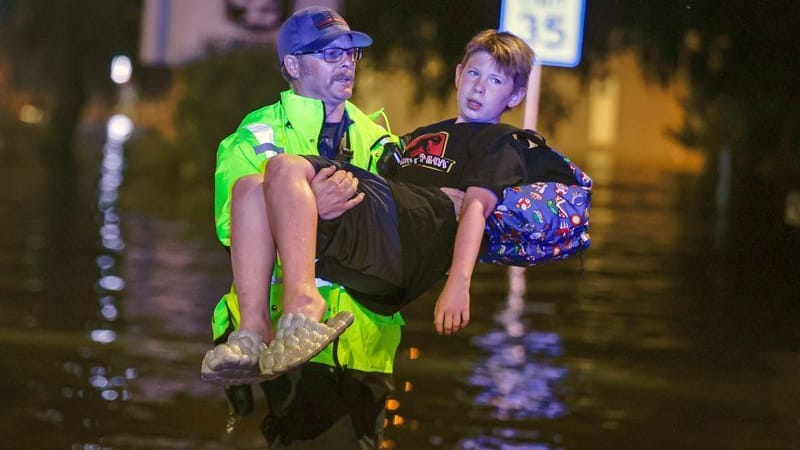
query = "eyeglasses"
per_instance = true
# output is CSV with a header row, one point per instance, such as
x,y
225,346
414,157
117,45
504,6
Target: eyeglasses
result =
x,y
335,54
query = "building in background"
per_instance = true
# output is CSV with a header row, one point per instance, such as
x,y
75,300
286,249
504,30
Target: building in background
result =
x,y
175,32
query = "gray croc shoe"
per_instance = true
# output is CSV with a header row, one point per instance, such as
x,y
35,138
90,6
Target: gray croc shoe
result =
x,y
235,361
300,338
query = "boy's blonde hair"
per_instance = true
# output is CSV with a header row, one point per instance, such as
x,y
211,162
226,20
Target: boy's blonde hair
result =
x,y
510,53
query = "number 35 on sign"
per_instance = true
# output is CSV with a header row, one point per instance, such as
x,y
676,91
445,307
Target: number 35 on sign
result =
x,y
554,28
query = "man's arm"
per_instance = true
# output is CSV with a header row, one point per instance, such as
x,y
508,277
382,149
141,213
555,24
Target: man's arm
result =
x,y
235,159
452,307
335,191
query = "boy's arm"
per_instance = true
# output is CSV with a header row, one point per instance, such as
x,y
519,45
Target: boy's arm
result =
x,y
452,307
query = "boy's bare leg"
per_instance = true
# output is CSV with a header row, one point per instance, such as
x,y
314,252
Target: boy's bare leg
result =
x,y
252,261
292,212
280,211
252,255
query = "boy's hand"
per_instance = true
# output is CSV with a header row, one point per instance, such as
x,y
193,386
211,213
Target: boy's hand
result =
x,y
335,191
451,313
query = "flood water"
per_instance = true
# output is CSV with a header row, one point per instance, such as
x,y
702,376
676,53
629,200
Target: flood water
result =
x,y
657,342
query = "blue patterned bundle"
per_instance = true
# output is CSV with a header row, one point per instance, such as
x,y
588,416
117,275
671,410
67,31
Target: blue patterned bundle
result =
x,y
539,222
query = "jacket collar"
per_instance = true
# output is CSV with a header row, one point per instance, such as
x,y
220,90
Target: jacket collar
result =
x,y
307,114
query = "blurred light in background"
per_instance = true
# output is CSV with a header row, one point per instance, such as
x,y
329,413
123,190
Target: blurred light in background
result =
x,y
121,69
119,129
792,212
30,114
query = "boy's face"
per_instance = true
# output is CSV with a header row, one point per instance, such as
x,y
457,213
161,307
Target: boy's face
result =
x,y
484,91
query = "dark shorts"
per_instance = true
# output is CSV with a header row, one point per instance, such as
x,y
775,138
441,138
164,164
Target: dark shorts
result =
x,y
361,249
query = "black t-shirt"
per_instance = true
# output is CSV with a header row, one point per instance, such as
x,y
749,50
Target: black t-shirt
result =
x,y
440,155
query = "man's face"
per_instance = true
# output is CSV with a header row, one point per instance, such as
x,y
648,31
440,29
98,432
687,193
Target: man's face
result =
x,y
330,82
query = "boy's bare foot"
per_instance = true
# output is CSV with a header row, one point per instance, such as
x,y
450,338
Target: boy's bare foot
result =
x,y
300,338
307,302
235,361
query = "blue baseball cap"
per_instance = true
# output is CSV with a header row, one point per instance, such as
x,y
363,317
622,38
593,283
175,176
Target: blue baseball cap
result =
x,y
312,28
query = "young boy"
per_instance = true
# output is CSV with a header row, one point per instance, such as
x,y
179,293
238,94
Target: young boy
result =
x,y
403,237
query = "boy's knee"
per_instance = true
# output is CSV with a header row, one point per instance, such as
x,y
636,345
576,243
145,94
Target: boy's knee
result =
x,y
287,166
247,184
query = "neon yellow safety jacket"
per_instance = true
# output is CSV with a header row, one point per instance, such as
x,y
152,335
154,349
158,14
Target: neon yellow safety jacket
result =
x,y
292,126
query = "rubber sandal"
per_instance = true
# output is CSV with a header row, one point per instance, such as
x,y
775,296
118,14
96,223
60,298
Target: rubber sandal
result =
x,y
235,361
298,339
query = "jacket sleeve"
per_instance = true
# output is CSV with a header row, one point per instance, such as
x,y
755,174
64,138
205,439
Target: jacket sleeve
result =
x,y
235,159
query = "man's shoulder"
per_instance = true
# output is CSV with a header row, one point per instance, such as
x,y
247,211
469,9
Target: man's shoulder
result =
x,y
269,114
256,127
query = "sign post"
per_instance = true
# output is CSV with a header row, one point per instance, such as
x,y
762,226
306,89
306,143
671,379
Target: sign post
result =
x,y
554,29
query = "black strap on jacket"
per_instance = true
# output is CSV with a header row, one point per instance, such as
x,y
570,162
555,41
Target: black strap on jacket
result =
x,y
336,146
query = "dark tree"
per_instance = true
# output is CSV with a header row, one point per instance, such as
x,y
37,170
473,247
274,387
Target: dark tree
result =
x,y
737,57
738,60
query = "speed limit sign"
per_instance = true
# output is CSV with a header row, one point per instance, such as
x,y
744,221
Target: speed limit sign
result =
x,y
554,28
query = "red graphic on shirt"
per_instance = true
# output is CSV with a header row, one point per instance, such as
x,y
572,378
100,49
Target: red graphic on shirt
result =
x,y
428,151
431,144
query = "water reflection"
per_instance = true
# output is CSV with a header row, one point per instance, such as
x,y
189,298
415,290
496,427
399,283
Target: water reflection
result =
x,y
110,283
110,386
519,380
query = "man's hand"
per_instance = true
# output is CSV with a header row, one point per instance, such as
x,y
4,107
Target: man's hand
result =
x,y
335,191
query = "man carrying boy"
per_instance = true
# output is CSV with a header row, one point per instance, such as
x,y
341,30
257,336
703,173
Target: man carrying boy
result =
x,y
405,235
